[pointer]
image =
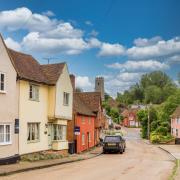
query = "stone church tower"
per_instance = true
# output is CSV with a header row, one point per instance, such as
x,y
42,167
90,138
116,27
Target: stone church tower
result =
x,y
99,86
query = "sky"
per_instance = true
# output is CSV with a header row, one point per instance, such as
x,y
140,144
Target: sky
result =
x,y
118,39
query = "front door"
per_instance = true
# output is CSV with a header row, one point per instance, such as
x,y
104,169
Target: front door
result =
x,y
49,136
88,140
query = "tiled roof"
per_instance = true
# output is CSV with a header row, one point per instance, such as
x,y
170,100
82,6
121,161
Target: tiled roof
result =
x,y
28,68
53,71
92,99
80,107
176,113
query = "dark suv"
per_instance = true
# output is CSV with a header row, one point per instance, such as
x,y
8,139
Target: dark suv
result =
x,y
114,144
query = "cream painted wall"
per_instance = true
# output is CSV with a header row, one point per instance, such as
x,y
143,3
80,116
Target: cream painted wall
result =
x,y
33,111
64,85
8,101
52,101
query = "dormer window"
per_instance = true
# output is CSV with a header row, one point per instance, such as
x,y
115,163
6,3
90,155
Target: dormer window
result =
x,y
2,82
33,92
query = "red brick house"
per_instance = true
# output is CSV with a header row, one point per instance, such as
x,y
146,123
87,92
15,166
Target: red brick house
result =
x,y
175,123
130,118
84,121
93,100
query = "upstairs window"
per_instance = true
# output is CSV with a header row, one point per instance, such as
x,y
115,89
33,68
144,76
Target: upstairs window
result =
x,y
34,92
66,99
2,82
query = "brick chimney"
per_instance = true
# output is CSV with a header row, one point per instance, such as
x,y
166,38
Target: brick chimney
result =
x,y
72,77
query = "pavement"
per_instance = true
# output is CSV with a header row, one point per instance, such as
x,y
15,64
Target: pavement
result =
x,y
23,166
141,161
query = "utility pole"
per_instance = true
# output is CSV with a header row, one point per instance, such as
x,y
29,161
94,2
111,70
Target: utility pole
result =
x,y
148,130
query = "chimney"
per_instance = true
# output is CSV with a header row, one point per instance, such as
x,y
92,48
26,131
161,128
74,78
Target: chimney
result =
x,y
72,77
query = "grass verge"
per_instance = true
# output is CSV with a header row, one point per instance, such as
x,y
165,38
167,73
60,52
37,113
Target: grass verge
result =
x,y
174,171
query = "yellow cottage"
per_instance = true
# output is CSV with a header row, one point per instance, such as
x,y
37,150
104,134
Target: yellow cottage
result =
x,y
45,104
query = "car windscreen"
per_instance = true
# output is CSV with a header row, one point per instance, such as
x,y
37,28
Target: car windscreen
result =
x,y
112,139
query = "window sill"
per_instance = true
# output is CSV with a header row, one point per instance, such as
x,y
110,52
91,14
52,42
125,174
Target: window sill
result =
x,y
34,100
3,92
65,104
35,141
59,140
5,144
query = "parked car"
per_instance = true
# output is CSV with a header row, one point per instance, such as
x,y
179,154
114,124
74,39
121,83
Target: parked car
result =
x,y
114,144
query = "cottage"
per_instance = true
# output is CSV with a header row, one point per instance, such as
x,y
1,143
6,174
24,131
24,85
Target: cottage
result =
x,y
41,97
8,106
175,123
85,121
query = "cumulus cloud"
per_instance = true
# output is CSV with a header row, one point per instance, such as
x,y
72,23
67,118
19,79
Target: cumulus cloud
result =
x,y
83,82
93,33
161,48
34,42
149,65
23,18
108,49
89,23
48,13
10,43
129,76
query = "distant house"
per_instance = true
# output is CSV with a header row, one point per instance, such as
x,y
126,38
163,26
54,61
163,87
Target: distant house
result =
x,y
175,123
85,121
130,118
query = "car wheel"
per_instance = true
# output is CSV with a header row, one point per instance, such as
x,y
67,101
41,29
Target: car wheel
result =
x,y
121,151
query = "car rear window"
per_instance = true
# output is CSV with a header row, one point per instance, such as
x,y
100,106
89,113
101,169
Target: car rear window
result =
x,y
112,139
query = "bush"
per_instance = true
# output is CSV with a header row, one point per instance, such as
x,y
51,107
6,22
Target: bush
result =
x,y
162,130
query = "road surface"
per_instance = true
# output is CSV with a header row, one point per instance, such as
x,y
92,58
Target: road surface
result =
x,y
140,162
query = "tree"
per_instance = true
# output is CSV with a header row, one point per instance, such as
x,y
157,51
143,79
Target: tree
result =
x,y
179,77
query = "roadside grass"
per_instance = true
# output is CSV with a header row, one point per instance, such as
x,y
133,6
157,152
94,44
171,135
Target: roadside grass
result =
x,y
175,170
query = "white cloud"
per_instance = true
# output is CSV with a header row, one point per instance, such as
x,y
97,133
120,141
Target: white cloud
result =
x,y
93,33
161,48
94,43
10,43
35,43
140,42
111,50
83,82
129,77
174,59
63,30
48,13
89,23
23,18
149,65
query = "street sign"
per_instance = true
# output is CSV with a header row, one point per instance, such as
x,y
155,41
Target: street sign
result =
x,y
77,130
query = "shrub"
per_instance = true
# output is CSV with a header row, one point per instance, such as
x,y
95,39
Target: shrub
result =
x,y
162,130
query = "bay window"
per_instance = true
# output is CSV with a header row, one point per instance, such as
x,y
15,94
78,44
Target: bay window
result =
x,y
59,132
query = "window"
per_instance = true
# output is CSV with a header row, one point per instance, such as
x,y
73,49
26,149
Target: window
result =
x,y
66,99
89,137
176,132
2,82
5,134
33,132
59,132
83,119
34,92
83,139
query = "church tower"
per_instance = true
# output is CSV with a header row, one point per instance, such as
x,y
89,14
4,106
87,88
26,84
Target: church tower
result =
x,y
99,86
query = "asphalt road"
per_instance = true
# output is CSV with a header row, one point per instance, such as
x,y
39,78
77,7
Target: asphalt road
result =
x,y
140,162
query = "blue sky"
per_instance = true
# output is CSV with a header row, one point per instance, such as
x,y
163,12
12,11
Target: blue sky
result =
x,y
119,39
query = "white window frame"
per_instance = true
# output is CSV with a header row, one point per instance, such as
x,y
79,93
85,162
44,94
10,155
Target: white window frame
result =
x,y
83,139
83,120
5,133
59,132
30,127
66,97
4,90
33,92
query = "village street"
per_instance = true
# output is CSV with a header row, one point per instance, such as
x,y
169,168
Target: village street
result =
x,y
141,161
